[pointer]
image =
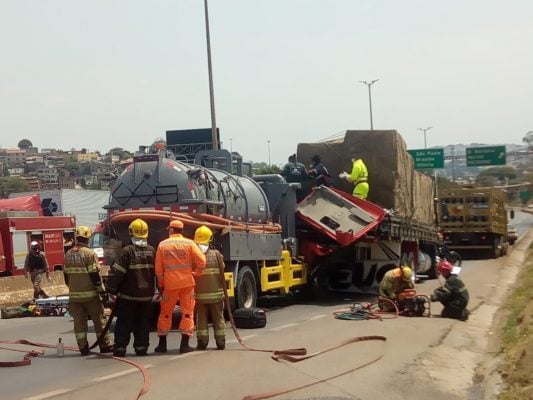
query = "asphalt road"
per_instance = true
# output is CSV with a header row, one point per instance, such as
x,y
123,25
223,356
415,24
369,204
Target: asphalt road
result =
x,y
235,373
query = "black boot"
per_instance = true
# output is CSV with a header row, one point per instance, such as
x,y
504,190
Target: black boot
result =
x,y
221,343
162,346
84,351
184,346
201,344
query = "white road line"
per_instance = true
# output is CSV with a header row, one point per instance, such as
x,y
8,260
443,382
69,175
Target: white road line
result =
x,y
192,353
243,338
318,317
117,374
49,394
281,327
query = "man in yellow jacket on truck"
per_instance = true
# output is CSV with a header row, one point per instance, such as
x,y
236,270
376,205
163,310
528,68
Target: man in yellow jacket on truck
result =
x,y
359,177
177,261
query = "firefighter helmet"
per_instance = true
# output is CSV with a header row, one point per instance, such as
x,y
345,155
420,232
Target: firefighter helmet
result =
x,y
176,223
407,273
83,231
445,268
138,229
203,235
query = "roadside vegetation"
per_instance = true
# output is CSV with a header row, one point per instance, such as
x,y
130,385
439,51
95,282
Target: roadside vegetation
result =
x,y
517,338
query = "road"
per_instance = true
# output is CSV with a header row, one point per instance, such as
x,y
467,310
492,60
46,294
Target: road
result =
x,y
422,358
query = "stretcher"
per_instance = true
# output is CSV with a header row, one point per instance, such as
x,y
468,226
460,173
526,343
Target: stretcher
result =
x,y
53,305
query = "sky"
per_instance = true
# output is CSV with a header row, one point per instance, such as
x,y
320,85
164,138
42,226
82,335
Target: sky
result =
x,y
99,74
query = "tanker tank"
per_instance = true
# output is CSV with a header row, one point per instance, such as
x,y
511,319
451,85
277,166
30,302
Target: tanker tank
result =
x,y
156,182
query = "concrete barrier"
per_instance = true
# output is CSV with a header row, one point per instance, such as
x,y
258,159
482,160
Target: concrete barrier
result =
x,y
16,290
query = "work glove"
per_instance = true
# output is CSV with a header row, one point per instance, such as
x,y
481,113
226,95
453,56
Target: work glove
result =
x,y
344,175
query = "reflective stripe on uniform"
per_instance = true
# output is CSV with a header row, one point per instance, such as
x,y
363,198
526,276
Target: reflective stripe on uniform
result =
x,y
141,266
220,332
211,271
80,335
83,295
202,332
119,268
75,270
172,267
126,297
210,296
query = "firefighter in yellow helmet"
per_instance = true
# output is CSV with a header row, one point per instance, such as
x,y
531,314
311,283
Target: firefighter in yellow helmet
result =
x,y
85,287
209,293
132,281
396,285
359,177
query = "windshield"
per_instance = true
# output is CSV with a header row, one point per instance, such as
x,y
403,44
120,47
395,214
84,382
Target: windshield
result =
x,y
97,240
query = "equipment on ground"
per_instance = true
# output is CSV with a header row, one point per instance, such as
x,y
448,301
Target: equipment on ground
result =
x,y
249,318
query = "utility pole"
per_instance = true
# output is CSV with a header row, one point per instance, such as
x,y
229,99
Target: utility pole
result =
x,y
369,84
268,144
425,130
214,137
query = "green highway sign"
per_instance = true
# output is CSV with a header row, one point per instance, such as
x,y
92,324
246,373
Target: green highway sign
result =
x,y
428,158
483,156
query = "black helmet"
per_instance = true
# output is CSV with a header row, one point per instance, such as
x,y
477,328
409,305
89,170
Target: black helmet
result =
x,y
315,158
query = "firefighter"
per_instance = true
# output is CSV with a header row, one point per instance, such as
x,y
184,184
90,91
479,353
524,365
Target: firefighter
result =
x,y
396,285
209,293
35,266
453,295
294,171
132,280
177,261
318,172
359,177
85,288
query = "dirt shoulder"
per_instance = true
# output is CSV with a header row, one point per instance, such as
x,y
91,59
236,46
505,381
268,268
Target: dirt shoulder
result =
x,y
510,375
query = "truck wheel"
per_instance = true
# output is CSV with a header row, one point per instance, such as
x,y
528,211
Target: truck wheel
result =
x,y
246,289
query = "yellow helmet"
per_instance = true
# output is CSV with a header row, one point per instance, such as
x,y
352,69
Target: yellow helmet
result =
x,y
138,229
83,231
407,273
203,235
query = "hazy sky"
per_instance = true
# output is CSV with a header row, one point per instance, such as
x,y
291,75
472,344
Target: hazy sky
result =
x,y
105,73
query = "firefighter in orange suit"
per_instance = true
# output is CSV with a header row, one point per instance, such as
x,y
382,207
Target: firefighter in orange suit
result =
x,y
177,261
209,293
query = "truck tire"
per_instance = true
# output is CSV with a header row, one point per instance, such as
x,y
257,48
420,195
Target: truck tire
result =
x,y
246,289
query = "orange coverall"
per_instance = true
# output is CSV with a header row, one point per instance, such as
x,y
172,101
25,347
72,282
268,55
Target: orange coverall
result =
x,y
177,261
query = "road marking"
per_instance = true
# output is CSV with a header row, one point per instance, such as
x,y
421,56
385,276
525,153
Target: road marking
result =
x,y
318,317
192,353
121,373
281,327
49,394
243,338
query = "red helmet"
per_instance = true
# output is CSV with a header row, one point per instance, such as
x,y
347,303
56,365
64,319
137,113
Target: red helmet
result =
x,y
445,268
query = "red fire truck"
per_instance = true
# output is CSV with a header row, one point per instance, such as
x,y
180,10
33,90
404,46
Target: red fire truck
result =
x,y
19,228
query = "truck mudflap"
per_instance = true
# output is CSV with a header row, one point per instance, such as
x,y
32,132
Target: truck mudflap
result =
x,y
339,215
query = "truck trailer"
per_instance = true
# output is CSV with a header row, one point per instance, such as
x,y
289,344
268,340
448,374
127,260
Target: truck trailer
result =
x,y
271,244
474,220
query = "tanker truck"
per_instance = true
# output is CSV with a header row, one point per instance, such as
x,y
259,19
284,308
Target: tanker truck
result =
x,y
330,241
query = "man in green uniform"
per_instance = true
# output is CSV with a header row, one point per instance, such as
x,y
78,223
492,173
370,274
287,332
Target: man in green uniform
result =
x,y
35,266
209,293
453,295
396,285
85,287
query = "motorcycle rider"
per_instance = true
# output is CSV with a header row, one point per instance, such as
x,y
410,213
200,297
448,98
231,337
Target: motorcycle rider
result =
x,y
132,280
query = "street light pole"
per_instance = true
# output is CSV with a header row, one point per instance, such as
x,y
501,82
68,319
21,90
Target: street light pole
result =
x,y
214,137
425,130
369,84
268,143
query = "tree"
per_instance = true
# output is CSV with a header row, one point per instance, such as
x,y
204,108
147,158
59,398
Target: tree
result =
x,y
502,174
24,144
528,139
12,184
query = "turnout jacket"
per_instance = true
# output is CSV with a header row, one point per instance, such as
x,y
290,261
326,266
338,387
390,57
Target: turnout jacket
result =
x,y
209,285
81,274
132,275
391,285
35,261
177,261
453,293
